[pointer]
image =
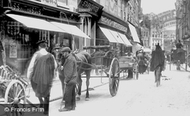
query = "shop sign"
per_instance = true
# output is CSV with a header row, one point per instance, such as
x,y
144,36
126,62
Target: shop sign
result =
x,y
50,2
28,9
13,50
84,10
112,23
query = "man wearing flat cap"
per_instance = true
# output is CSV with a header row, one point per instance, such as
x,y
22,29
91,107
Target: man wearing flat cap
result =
x,y
68,77
41,72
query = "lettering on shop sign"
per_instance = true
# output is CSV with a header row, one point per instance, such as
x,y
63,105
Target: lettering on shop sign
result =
x,y
25,8
50,2
87,6
84,10
111,23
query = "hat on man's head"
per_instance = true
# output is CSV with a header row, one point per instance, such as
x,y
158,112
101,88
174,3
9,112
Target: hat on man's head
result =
x,y
65,49
158,46
57,46
41,41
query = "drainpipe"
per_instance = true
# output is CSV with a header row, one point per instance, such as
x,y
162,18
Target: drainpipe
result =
x,y
187,54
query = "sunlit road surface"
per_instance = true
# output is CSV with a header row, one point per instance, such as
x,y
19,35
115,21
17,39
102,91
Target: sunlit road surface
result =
x,y
136,98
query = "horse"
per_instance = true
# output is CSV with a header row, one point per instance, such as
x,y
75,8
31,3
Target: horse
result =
x,y
83,59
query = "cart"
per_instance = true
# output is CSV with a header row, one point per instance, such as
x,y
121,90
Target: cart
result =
x,y
12,89
105,60
128,63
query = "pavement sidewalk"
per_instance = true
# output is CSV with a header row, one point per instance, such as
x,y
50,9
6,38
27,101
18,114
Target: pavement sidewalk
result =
x,y
56,91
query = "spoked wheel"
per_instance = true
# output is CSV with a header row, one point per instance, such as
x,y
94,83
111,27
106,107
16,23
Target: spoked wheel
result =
x,y
15,97
114,77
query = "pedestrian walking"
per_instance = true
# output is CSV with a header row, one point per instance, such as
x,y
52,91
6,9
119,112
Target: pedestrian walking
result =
x,y
68,78
157,63
41,72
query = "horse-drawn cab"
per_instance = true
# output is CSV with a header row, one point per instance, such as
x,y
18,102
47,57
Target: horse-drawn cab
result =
x,y
102,56
105,61
128,65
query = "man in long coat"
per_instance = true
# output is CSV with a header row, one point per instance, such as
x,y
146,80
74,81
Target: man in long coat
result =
x,y
69,72
157,60
41,72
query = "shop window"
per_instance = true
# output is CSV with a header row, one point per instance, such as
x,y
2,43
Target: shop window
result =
x,y
102,42
18,41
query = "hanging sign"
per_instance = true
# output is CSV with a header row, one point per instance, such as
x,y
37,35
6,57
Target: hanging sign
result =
x,y
13,50
90,7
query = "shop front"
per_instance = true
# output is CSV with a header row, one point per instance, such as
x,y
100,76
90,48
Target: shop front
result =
x,y
111,31
24,23
90,12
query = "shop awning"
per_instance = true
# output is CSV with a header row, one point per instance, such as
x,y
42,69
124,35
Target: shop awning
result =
x,y
126,41
71,29
35,23
134,33
147,50
117,37
136,47
108,34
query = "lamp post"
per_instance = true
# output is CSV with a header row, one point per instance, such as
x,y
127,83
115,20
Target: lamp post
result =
x,y
170,55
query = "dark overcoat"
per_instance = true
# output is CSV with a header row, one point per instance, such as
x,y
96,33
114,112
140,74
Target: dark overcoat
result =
x,y
43,74
157,59
70,69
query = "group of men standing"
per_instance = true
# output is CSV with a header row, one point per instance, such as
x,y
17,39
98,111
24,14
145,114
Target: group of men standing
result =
x,y
42,70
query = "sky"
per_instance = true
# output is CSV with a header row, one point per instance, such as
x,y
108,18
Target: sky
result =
x,y
157,6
